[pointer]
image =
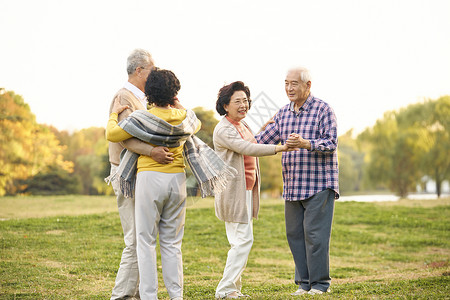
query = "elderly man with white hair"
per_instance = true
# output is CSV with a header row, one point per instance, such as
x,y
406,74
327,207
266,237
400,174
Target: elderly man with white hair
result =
x,y
139,66
310,178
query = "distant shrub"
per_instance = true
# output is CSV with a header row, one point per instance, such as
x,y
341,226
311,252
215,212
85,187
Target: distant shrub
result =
x,y
54,181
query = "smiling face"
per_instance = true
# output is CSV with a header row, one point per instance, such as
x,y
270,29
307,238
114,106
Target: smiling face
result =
x,y
296,90
238,107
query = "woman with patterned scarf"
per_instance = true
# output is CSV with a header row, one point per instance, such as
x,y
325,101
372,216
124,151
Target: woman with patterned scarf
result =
x,y
161,188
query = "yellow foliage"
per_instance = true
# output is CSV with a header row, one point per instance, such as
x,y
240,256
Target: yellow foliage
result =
x,y
27,147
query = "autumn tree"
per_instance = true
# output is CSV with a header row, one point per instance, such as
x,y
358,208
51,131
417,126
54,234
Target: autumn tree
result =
x,y
27,148
88,149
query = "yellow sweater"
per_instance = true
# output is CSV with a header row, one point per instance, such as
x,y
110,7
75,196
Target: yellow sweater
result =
x,y
145,163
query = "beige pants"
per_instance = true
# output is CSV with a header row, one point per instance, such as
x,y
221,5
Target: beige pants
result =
x,y
240,237
127,278
160,208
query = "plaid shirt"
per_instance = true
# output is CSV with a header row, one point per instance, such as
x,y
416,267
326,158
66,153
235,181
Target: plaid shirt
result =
x,y
306,172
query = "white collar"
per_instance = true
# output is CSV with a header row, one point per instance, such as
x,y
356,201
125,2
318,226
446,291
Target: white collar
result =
x,y
137,92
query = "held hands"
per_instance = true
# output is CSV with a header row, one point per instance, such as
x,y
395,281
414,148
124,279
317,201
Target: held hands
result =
x,y
296,141
285,148
293,143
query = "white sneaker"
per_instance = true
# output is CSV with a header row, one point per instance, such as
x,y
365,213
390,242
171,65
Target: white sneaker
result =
x,y
242,295
317,292
299,292
233,295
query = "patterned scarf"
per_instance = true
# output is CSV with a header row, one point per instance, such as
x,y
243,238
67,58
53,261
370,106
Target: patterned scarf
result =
x,y
211,172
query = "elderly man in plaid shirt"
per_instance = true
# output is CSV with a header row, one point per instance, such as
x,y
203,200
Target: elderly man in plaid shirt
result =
x,y
310,178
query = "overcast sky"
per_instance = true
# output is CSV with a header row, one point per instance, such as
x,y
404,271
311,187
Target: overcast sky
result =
x,y
68,58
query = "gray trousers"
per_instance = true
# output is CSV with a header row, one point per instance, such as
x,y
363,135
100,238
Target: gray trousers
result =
x,y
308,230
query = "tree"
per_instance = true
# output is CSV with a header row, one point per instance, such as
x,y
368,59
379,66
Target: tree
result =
x,y
27,148
408,144
351,162
88,149
437,159
432,122
271,175
209,122
393,155
54,181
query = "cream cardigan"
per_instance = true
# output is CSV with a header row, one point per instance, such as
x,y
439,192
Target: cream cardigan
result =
x,y
133,144
231,147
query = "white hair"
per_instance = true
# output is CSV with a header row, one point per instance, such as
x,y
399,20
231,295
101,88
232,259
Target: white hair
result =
x,y
305,76
138,58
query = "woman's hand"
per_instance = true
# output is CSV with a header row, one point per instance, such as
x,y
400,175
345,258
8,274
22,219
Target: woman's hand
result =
x,y
117,107
265,125
285,148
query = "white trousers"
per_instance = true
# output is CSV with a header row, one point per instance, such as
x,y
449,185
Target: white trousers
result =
x,y
160,208
240,237
127,278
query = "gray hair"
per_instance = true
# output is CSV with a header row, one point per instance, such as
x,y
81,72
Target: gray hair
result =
x,y
138,58
305,76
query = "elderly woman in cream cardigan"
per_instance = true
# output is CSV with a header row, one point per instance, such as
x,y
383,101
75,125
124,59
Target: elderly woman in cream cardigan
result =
x,y
239,202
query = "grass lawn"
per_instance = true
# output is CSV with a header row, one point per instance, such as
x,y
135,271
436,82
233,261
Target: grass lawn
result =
x,y
69,247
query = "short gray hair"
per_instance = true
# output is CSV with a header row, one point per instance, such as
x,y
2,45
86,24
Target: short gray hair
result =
x,y
305,76
138,58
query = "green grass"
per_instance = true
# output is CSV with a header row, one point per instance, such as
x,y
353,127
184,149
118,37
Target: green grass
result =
x,y
378,250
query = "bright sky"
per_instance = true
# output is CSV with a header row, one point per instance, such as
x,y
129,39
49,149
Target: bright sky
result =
x,y
68,58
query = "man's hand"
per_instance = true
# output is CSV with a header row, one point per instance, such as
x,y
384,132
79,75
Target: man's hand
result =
x,y
296,141
162,155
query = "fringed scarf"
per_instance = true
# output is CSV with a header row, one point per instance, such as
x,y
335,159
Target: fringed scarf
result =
x,y
209,169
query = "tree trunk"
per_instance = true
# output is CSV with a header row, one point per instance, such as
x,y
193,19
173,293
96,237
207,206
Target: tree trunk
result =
x,y
438,184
